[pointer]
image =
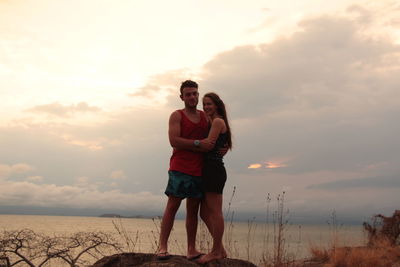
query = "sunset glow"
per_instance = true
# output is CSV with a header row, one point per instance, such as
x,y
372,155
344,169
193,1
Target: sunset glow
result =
x,y
274,165
268,165
254,166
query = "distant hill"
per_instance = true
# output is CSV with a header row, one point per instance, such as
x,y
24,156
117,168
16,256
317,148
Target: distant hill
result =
x,y
112,215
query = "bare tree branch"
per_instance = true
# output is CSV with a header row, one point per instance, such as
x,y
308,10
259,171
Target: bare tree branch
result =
x,y
36,250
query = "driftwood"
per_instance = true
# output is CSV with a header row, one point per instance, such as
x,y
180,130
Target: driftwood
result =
x,y
384,229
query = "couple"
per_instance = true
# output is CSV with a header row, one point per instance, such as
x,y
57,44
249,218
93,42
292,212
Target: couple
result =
x,y
197,173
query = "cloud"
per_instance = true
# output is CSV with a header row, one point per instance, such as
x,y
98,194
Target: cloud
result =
x,y
163,89
82,181
321,67
35,178
163,83
133,140
377,17
9,170
274,165
369,182
270,164
116,175
322,96
255,166
91,144
59,110
51,195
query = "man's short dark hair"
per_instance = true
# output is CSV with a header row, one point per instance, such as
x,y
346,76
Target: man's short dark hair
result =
x,y
188,83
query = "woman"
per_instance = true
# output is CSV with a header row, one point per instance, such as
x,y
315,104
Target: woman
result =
x,y
214,174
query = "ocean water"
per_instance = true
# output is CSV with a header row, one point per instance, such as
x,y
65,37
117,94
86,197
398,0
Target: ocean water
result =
x,y
244,240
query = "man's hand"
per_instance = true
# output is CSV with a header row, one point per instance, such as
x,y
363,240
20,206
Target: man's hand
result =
x,y
207,145
223,150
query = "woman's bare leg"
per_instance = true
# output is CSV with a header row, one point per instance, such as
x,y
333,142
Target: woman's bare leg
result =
x,y
216,221
205,216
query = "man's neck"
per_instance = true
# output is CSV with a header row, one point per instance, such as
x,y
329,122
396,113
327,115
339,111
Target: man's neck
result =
x,y
190,110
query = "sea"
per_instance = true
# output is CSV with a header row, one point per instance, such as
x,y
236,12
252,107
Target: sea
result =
x,y
249,240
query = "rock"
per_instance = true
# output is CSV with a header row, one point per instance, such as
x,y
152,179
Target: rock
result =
x,y
150,260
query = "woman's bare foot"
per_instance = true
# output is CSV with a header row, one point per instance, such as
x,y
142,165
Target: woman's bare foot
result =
x,y
224,253
210,257
194,255
163,255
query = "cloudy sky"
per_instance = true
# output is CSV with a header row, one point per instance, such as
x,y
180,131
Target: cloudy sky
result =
x,y
312,90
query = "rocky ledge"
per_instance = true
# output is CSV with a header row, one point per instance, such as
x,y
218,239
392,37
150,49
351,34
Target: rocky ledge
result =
x,y
150,260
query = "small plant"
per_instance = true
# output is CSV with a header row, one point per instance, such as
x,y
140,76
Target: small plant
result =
x,y
279,256
334,228
266,236
280,222
251,230
230,244
130,243
204,238
154,238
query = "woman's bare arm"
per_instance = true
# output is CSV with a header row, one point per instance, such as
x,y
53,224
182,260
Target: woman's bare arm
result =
x,y
207,144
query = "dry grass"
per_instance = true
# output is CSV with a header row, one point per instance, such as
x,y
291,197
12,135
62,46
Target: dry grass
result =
x,y
319,254
381,249
380,255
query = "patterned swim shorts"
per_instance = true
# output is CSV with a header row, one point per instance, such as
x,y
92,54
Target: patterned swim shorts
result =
x,y
183,185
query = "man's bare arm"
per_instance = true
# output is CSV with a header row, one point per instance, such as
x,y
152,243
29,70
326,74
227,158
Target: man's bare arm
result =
x,y
174,133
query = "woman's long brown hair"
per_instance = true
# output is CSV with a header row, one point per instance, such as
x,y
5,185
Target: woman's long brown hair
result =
x,y
222,112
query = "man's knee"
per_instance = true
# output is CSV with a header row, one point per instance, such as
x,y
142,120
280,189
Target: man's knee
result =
x,y
173,203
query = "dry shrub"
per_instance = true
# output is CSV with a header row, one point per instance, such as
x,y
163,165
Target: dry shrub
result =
x,y
384,227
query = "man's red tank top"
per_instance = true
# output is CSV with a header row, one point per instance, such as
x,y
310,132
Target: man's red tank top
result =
x,y
187,161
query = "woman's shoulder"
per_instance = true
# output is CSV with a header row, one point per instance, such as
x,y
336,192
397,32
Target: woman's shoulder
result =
x,y
218,121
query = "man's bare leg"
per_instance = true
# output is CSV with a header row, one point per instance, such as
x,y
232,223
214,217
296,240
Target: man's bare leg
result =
x,y
168,222
192,210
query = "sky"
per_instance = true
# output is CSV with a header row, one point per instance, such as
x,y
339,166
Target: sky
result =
x,y
311,88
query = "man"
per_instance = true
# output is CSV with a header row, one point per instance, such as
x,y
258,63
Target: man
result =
x,y
186,128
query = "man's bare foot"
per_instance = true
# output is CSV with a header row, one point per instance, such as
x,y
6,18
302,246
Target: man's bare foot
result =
x,y
210,257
